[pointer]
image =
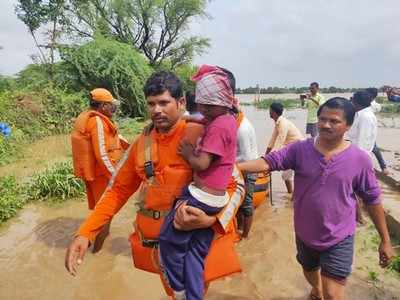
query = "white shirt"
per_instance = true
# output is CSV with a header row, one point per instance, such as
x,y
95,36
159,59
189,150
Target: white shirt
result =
x,y
376,107
246,142
364,130
285,133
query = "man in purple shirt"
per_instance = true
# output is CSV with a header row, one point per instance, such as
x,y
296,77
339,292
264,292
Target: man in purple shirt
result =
x,y
329,171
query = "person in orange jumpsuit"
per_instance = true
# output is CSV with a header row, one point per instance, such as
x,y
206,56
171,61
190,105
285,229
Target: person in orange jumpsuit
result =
x,y
96,149
153,164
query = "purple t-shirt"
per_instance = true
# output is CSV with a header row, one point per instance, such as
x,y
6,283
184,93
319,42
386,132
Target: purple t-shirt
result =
x,y
324,200
219,139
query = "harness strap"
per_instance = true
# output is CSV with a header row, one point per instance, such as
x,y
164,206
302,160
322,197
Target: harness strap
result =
x,y
148,165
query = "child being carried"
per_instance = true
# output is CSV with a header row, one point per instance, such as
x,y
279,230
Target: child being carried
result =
x,y
183,253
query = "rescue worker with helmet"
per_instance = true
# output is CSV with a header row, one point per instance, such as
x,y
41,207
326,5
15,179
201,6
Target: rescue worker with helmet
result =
x,y
153,165
96,149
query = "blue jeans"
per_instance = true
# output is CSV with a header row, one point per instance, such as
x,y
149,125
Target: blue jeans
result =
x,y
247,206
379,157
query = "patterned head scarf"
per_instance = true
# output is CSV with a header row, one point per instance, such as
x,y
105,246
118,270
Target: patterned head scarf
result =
x,y
212,87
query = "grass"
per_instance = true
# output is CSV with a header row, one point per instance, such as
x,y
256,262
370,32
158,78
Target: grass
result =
x,y
55,184
287,103
373,276
395,264
29,180
392,108
11,199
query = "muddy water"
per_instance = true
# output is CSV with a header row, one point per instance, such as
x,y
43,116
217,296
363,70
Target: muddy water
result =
x,y
32,248
38,156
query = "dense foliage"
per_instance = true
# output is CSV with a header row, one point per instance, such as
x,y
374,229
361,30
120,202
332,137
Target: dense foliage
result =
x,y
155,28
112,65
34,114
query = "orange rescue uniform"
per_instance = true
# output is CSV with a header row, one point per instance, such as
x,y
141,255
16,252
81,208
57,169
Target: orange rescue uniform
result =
x,y
96,149
156,197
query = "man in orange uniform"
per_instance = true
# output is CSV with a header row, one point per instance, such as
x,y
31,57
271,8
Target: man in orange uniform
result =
x,y
96,149
153,164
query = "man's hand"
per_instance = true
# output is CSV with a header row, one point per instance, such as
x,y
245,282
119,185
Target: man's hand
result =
x,y
185,149
386,253
269,150
189,218
75,254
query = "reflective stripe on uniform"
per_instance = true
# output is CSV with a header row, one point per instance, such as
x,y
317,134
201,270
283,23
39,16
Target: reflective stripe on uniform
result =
x,y
102,146
117,168
119,165
235,201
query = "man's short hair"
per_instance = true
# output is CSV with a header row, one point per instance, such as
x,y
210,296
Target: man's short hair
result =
x,y
343,104
231,78
277,108
362,98
162,81
315,83
373,92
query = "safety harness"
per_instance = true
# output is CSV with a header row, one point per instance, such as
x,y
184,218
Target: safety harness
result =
x,y
151,180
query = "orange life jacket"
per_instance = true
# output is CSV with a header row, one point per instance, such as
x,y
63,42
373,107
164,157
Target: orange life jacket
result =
x,y
261,190
157,195
87,160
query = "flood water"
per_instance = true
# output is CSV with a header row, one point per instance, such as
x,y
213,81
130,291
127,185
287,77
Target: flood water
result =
x,y
32,248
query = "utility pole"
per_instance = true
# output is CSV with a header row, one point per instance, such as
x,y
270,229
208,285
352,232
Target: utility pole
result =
x,y
257,95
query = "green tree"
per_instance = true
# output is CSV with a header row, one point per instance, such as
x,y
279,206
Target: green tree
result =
x,y
47,16
157,28
33,13
112,65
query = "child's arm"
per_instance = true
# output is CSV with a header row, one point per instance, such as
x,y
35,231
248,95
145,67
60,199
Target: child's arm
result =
x,y
194,119
198,162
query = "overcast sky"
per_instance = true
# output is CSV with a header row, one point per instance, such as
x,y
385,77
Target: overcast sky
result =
x,y
348,43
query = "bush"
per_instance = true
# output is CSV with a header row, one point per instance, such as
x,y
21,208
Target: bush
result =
x,y
35,114
6,83
111,65
129,127
57,183
11,198
392,108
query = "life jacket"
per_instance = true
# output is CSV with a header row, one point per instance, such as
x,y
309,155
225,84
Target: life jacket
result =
x,y
83,153
261,190
163,178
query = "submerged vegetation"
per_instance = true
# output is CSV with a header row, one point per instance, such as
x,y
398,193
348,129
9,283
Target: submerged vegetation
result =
x,y
287,103
55,184
10,198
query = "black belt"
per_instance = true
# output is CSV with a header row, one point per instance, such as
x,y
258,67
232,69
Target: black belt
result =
x,y
150,243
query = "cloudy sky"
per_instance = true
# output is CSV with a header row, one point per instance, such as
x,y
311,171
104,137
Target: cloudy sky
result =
x,y
348,43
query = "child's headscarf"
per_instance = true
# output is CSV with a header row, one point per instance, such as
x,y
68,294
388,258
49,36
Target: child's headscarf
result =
x,y
212,87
